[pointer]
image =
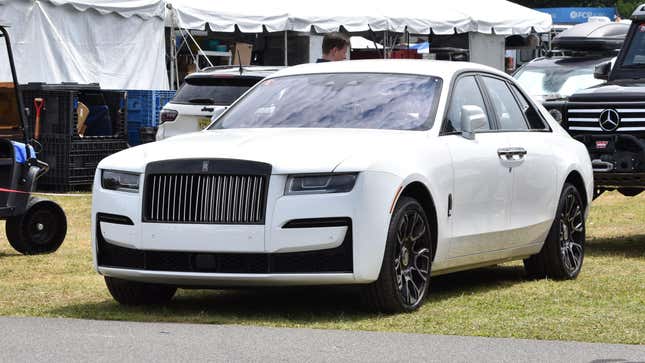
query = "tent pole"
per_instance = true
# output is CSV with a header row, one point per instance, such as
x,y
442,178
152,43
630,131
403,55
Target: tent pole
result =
x,y
173,51
386,45
286,62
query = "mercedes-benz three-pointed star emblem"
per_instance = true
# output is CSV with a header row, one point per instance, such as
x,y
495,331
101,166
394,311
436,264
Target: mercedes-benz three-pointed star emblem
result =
x,y
609,120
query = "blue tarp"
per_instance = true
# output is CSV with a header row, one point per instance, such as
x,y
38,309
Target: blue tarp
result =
x,y
577,15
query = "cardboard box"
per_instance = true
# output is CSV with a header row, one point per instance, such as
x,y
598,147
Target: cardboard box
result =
x,y
242,51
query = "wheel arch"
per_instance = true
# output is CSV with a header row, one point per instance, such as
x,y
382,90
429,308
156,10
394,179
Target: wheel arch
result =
x,y
575,178
420,192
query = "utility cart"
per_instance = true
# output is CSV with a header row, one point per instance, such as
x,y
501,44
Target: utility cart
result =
x,y
33,225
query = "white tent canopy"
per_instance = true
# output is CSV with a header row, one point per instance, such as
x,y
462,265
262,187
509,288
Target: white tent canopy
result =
x,y
415,16
119,44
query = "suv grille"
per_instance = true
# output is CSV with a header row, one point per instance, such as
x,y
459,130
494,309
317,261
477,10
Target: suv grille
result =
x,y
216,199
584,117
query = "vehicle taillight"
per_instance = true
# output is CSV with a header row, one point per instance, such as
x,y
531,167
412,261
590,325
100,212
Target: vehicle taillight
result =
x,y
167,115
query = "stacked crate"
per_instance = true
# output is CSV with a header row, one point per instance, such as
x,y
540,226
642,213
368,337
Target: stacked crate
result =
x,y
72,159
144,107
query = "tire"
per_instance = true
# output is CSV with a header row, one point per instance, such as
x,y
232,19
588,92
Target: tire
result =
x,y
562,255
630,192
41,229
139,293
404,279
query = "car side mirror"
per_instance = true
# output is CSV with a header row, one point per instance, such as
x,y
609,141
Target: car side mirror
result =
x,y
472,118
601,71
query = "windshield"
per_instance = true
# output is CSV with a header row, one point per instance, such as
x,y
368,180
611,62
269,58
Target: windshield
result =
x,y
635,56
340,100
213,91
556,82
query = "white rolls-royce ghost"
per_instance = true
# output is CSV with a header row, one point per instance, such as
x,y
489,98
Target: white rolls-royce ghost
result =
x,y
375,173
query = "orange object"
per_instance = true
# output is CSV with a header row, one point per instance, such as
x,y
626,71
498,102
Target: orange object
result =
x,y
38,104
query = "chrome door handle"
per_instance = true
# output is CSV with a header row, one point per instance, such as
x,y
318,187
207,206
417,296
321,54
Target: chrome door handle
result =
x,y
511,153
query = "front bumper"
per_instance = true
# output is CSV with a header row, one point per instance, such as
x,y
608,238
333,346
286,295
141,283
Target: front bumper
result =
x,y
276,252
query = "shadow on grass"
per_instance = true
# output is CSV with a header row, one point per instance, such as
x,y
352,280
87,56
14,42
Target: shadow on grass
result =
x,y
627,246
279,304
15,254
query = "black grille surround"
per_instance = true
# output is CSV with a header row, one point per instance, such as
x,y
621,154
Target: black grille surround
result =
x,y
206,191
333,260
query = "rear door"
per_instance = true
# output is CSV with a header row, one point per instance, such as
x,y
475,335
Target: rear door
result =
x,y
534,189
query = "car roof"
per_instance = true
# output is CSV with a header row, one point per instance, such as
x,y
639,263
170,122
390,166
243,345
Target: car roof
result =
x,y
234,70
441,69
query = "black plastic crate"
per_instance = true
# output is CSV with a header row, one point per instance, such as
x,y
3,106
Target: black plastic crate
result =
x,y
72,163
59,115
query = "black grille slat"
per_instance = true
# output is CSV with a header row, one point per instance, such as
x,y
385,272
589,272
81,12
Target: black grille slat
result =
x,y
210,199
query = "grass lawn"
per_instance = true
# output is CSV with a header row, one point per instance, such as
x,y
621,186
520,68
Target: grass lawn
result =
x,y
605,304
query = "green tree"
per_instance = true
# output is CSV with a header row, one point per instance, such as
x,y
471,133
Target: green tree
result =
x,y
625,8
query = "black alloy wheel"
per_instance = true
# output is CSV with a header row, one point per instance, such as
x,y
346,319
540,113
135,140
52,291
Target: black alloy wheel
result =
x,y
563,252
412,257
572,234
404,279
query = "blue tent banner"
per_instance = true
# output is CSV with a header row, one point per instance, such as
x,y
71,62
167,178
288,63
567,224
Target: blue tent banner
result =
x,y
577,15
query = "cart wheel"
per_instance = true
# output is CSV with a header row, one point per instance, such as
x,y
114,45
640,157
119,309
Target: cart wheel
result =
x,y
41,229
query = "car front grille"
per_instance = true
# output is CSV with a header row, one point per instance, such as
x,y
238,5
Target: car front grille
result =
x,y
584,117
212,195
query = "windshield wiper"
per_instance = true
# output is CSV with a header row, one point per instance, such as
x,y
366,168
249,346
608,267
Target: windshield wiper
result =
x,y
202,101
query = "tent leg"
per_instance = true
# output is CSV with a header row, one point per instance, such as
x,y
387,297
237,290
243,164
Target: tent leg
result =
x,y
286,62
385,45
173,56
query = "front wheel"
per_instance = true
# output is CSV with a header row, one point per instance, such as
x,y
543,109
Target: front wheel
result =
x,y
563,251
41,229
404,279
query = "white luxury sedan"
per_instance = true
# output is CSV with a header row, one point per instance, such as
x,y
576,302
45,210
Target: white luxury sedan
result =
x,y
375,173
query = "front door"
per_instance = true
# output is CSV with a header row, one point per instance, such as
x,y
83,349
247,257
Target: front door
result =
x,y
482,180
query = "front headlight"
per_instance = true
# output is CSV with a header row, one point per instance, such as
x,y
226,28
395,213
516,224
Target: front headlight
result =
x,y
319,184
118,180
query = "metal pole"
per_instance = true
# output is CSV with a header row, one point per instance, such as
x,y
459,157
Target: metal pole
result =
x,y
286,62
173,52
385,45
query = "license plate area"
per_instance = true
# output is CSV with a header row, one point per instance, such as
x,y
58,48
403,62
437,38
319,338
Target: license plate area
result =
x,y
602,145
203,122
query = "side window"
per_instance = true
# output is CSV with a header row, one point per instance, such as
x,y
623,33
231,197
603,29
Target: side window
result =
x,y
508,112
466,92
532,115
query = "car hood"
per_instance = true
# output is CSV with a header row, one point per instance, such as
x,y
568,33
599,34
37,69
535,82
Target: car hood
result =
x,y
287,150
615,91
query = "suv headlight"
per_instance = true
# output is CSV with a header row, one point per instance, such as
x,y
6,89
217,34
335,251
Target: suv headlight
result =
x,y
119,180
320,183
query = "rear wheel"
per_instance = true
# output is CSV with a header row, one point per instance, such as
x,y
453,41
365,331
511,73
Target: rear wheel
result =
x,y
41,229
563,251
138,293
404,279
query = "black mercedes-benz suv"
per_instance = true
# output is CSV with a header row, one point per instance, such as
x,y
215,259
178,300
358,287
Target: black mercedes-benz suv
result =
x,y
610,118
